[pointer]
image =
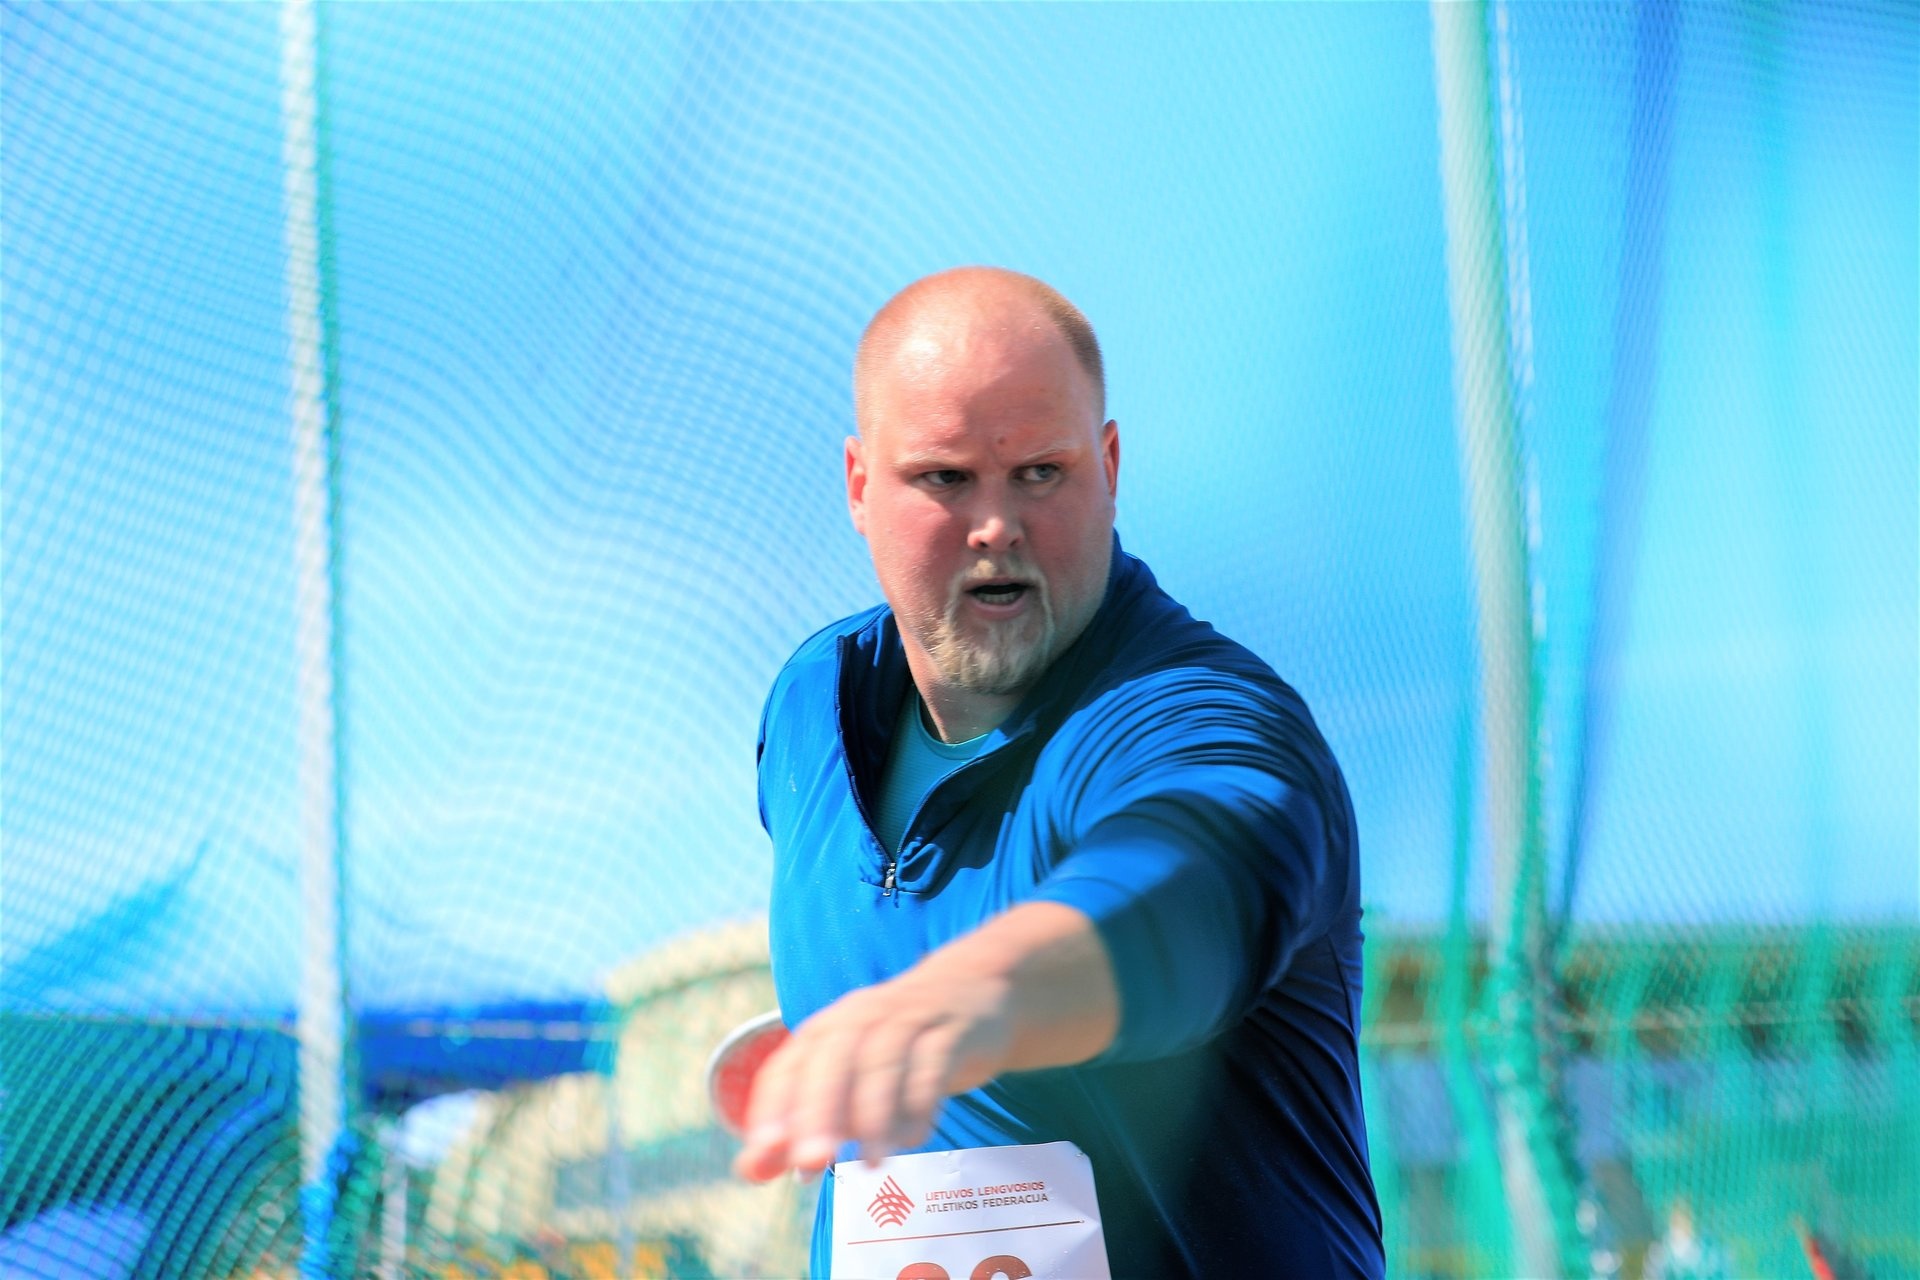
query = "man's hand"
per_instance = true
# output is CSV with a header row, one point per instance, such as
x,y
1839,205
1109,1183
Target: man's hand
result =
x,y
873,1067
1031,988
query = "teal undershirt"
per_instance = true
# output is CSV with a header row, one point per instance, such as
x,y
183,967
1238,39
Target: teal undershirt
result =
x,y
916,762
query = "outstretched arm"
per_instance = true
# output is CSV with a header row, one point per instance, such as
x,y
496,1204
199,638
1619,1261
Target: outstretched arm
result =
x,y
1031,988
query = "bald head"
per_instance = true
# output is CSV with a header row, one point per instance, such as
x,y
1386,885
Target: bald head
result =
x,y
939,318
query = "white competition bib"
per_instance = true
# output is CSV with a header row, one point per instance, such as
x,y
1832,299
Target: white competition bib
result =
x,y
986,1213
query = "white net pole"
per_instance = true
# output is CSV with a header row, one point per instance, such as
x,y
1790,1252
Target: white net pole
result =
x,y
321,1020
1492,475
393,1209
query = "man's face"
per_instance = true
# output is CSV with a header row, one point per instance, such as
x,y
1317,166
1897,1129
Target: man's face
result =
x,y
984,484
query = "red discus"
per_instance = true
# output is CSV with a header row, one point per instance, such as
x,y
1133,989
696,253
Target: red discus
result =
x,y
731,1069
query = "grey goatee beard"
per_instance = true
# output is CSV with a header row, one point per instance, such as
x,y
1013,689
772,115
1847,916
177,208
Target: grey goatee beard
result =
x,y
1008,658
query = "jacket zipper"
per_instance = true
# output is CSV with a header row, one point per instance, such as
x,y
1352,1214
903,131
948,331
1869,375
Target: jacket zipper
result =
x,y
890,865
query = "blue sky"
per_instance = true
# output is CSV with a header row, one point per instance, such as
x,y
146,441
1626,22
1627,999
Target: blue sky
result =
x,y
600,270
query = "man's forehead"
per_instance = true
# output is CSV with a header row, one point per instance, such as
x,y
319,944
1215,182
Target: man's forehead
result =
x,y
937,404
959,359
922,443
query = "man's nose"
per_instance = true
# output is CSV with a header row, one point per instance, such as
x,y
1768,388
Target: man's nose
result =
x,y
995,525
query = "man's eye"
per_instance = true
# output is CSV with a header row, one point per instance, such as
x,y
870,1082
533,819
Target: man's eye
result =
x,y
1043,471
944,479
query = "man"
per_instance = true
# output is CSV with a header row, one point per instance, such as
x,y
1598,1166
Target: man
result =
x,y
1052,859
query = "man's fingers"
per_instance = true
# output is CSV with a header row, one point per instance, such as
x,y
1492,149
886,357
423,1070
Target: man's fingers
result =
x,y
765,1153
773,1090
817,1116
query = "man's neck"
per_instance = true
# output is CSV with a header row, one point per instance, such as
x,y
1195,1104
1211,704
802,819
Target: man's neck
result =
x,y
958,715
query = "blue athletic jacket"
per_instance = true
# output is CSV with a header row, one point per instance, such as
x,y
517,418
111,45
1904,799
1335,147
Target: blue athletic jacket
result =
x,y
1163,780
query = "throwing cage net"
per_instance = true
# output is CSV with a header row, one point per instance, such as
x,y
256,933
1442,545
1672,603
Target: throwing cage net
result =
x,y
421,448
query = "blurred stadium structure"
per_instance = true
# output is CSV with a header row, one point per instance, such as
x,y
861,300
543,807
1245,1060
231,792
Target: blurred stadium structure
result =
x,y
420,450
648,1180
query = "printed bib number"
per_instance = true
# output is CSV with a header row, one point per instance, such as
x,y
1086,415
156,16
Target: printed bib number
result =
x,y
986,1213
1001,1266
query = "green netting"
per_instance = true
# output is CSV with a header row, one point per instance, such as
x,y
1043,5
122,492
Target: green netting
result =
x,y
419,443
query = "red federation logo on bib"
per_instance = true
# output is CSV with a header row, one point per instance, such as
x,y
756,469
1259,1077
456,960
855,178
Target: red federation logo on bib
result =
x,y
890,1205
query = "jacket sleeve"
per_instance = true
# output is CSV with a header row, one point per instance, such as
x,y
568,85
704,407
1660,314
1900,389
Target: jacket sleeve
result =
x,y
1206,832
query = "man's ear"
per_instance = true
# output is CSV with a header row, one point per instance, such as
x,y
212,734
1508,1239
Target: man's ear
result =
x,y
857,485
1110,455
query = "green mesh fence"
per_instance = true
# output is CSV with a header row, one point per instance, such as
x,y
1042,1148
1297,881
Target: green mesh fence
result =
x,y
419,443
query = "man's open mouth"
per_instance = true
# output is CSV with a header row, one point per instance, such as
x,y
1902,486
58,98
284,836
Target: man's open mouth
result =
x,y
998,592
